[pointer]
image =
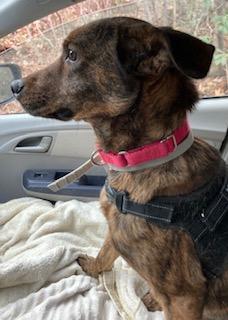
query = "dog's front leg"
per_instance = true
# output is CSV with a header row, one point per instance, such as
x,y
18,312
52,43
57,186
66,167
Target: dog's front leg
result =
x,y
103,262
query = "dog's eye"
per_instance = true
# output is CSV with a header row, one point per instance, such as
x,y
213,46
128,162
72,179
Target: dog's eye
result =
x,y
71,55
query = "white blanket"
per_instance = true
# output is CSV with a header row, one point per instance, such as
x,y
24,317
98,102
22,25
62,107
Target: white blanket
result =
x,y
39,276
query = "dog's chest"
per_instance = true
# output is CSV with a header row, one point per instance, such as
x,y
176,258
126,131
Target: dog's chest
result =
x,y
137,240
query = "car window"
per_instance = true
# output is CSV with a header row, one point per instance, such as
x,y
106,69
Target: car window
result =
x,y
39,43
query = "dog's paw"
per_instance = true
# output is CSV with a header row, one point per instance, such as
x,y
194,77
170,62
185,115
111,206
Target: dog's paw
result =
x,y
150,303
88,265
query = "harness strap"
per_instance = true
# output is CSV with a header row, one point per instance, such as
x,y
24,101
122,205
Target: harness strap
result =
x,y
161,211
149,211
209,218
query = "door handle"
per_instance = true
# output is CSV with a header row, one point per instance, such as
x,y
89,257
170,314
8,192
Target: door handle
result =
x,y
34,145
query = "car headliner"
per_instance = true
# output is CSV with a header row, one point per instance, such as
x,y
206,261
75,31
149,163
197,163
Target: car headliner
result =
x,y
15,14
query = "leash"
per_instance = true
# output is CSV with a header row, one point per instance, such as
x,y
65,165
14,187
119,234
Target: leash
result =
x,y
77,173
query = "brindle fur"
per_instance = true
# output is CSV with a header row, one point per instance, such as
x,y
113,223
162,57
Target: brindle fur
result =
x,y
133,89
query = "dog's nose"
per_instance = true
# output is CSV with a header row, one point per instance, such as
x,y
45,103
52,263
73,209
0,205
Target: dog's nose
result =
x,y
17,86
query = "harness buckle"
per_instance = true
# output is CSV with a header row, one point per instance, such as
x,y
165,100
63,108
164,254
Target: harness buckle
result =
x,y
119,199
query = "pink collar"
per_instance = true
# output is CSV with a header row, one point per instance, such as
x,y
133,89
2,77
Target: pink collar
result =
x,y
147,156
156,150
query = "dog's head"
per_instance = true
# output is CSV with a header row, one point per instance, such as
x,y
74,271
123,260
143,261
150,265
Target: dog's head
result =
x,y
103,66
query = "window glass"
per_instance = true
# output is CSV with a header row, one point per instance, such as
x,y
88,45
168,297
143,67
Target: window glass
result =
x,y
39,43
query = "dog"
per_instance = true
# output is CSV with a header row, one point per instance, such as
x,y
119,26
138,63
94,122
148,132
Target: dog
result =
x,y
133,83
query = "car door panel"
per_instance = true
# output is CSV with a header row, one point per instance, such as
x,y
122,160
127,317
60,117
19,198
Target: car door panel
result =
x,y
210,120
71,144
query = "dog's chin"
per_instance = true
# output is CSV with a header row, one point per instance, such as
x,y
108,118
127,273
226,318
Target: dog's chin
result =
x,y
63,114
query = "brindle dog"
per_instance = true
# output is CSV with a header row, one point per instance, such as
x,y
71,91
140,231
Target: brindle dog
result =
x,y
132,82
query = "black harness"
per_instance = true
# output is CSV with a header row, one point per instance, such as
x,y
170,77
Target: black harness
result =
x,y
203,214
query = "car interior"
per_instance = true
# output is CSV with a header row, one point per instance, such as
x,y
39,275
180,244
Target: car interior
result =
x,y
35,151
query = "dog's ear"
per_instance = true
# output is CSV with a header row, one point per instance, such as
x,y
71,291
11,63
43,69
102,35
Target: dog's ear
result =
x,y
140,51
190,55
